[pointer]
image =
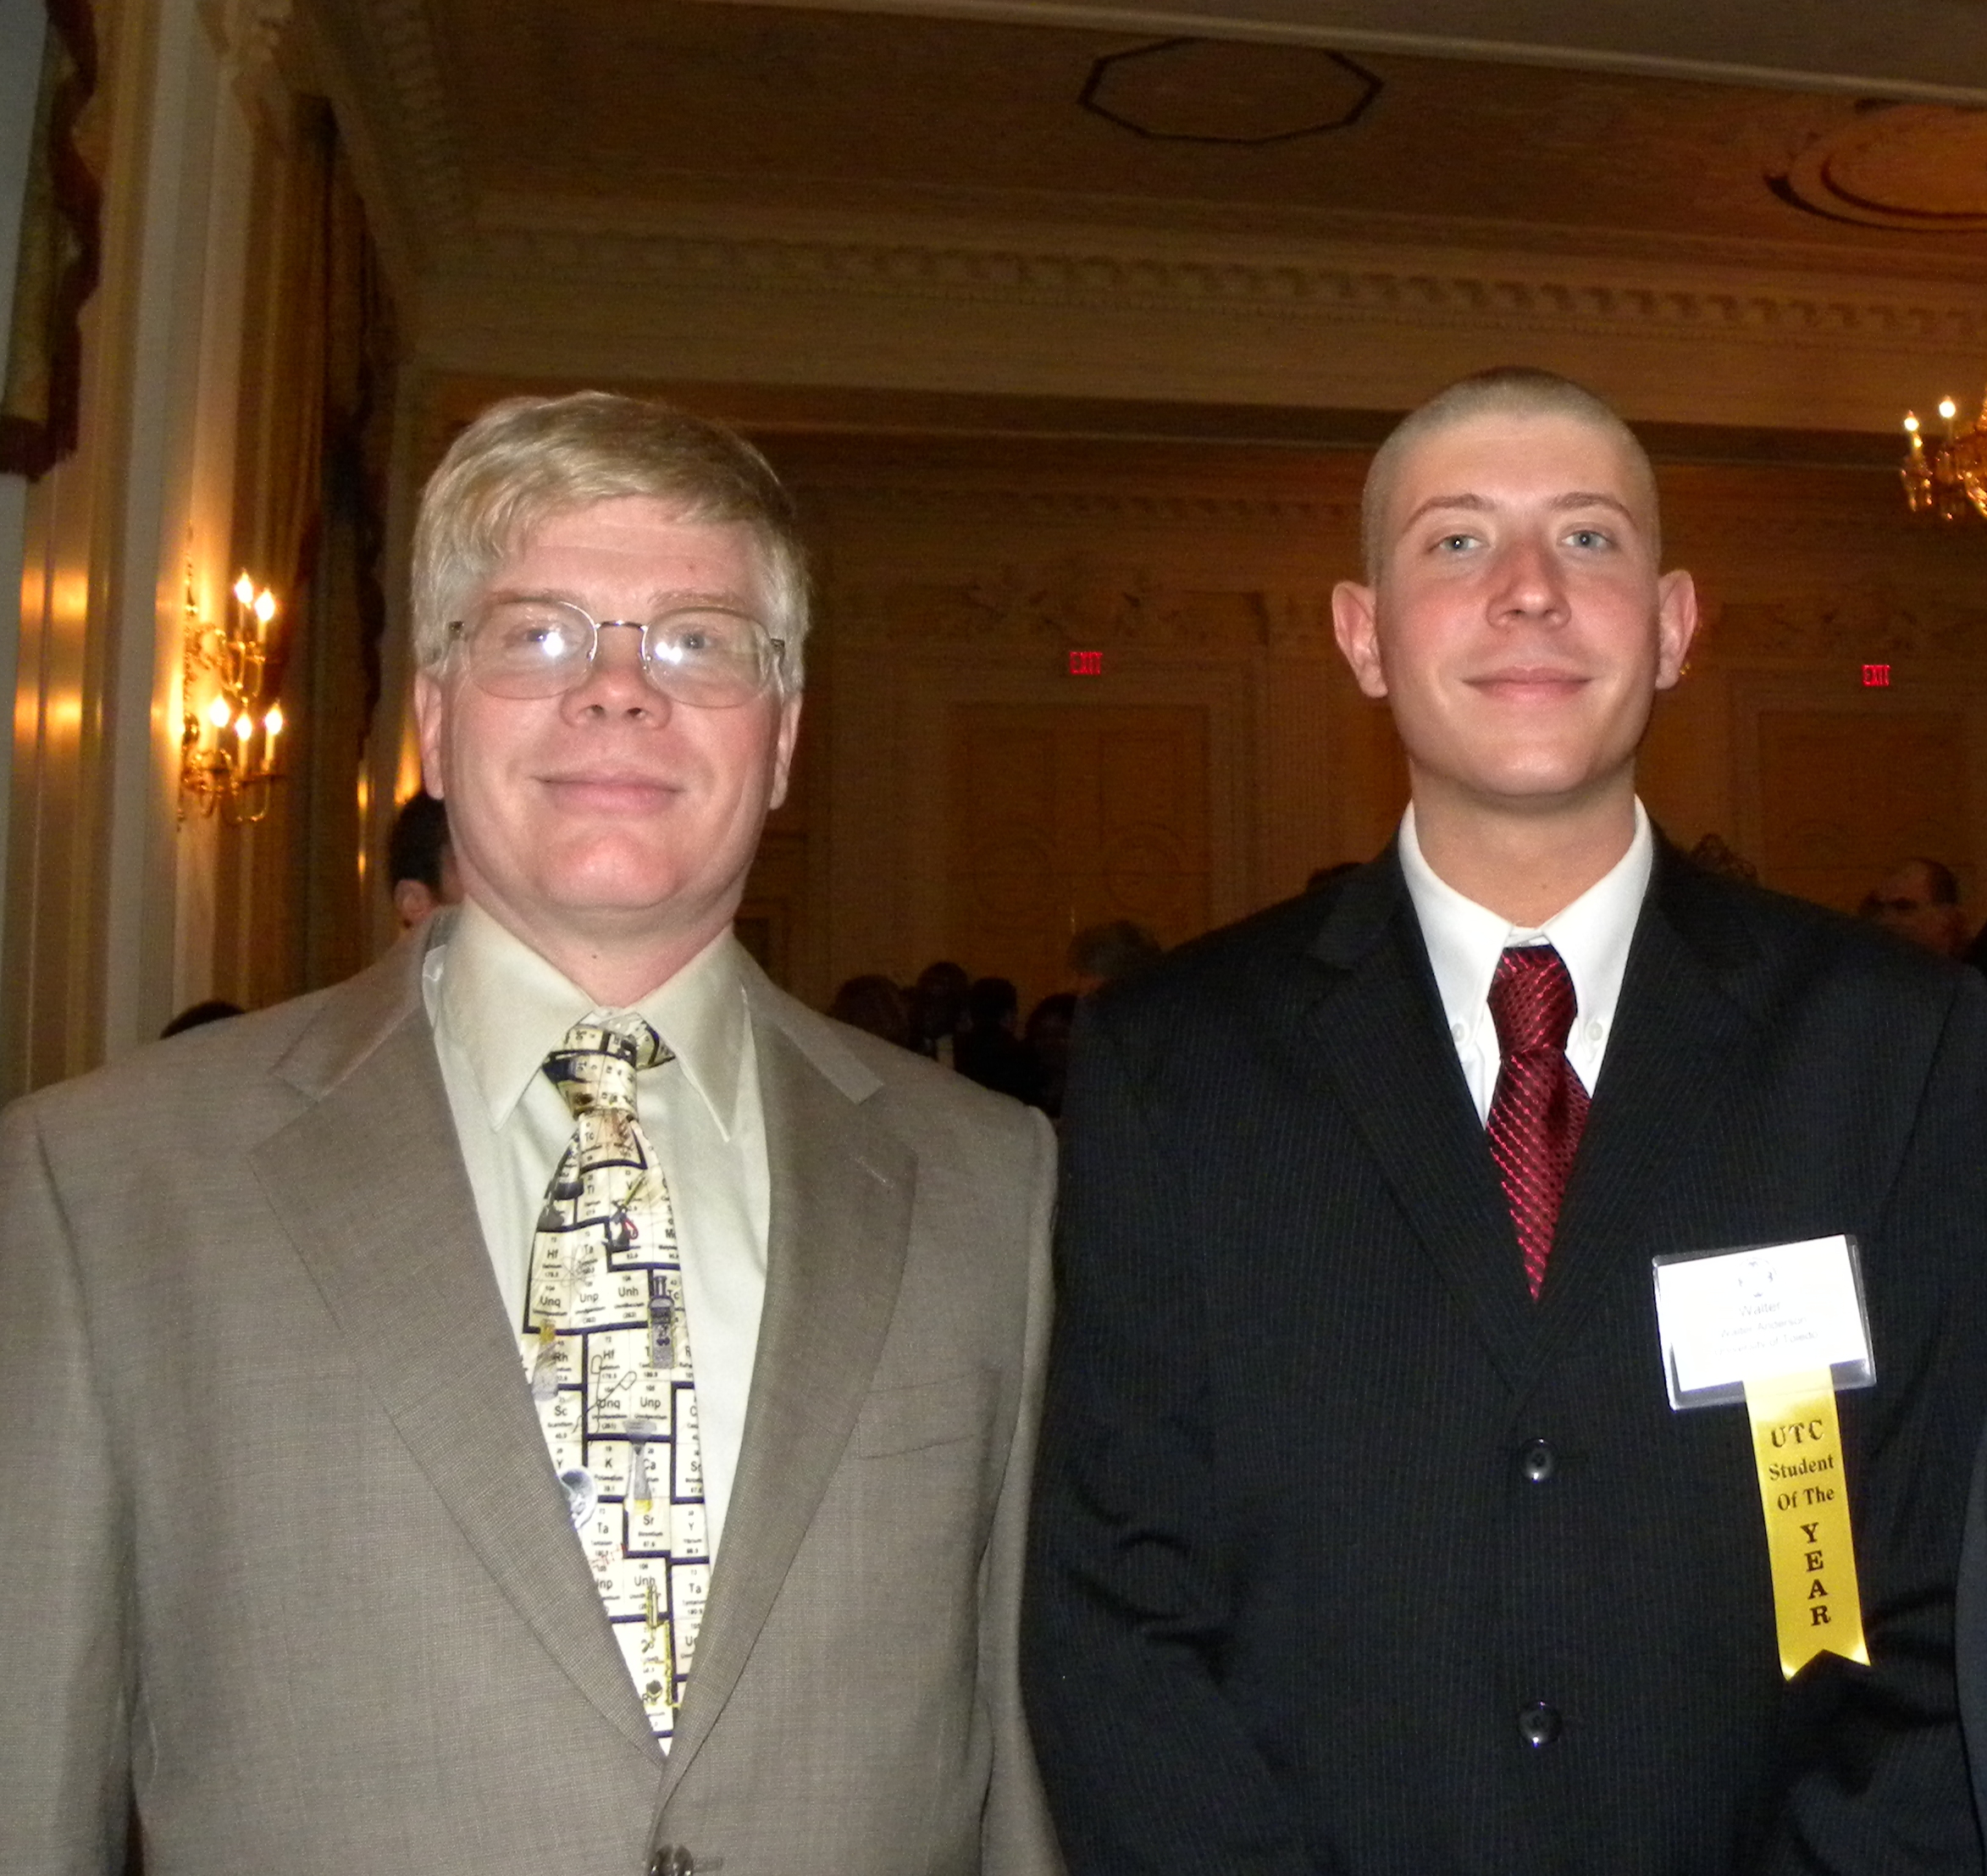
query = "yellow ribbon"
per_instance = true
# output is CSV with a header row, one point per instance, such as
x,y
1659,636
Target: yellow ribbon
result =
x,y
1797,1442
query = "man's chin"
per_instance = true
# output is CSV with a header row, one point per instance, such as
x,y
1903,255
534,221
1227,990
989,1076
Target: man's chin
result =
x,y
1541,789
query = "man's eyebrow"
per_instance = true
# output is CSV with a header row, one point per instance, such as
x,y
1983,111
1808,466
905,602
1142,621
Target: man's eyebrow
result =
x,y
1592,498
1474,504
663,599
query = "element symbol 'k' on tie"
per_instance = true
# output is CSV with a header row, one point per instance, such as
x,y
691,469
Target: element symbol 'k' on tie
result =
x,y
606,1346
1540,1107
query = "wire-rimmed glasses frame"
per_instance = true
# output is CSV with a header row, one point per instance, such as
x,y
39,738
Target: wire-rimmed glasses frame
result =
x,y
531,645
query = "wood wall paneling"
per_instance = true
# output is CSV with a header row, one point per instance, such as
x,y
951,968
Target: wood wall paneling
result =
x,y
1845,795
1062,815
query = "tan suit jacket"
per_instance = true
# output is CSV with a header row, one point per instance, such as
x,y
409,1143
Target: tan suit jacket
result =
x,y
282,1553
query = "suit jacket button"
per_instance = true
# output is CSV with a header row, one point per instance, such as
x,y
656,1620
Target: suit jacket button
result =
x,y
1538,1459
671,1860
1538,1724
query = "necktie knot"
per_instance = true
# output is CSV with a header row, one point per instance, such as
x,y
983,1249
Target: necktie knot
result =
x,y
1531,999
596,1064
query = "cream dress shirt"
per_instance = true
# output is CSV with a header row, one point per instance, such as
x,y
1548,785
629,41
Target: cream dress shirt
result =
x,y
499,1010
1465,940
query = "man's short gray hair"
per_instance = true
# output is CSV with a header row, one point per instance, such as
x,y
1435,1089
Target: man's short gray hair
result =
x,y
528,459
1504,390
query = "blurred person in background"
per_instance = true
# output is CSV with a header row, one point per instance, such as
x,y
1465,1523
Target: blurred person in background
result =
x,y
875,1005
1918,899
420,861
1102,954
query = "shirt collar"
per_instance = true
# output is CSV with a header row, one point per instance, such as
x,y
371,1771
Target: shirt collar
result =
x,y
506,1008
1592,935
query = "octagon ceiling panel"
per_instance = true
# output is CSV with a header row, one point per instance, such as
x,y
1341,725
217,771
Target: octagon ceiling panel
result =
x,y
637,107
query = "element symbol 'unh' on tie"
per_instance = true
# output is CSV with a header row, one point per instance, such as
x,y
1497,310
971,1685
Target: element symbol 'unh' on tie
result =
x,y
606,1349
1539,1106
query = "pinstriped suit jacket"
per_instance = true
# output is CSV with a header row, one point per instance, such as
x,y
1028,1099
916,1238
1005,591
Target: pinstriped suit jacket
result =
x,y
283,1554
1351,1558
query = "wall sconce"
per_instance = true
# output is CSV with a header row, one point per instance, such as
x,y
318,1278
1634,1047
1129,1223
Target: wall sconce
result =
x,y
228,748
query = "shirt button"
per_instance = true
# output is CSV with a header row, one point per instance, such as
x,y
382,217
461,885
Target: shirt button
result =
x,y
1594,1030
1538,1724
1540,1462
1460,1032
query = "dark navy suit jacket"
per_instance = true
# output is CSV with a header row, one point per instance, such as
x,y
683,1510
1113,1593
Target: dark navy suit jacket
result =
x,y
1350,1557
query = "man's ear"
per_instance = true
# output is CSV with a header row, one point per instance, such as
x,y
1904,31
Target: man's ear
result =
x,y
431,707
1676,626
783,749
1355,621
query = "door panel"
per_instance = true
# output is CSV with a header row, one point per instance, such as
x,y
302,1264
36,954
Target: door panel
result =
x,y
1843,798
1064,815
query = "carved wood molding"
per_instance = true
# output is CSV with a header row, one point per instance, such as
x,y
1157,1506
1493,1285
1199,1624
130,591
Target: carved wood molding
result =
x,y
1869,619
247,32
1497,292
401,85
1015,608
1132,507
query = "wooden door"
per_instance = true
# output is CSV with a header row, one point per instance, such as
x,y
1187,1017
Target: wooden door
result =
x,y
1065,815
1843,798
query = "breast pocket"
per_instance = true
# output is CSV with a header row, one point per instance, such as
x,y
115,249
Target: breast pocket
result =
x,y
927,1414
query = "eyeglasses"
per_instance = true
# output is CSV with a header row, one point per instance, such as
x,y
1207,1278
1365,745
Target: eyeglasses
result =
x,y
703,654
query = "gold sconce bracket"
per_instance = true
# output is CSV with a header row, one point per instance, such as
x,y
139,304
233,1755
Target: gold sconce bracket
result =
x,y
228,742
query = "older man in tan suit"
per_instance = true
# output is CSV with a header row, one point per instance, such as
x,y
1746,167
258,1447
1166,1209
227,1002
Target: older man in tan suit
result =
x,y
551,1404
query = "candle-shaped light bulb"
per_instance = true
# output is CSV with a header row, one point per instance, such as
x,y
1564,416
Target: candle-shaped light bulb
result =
x,y
216,713
265,606
272,728
244,727
1948,409
1911,422
245,590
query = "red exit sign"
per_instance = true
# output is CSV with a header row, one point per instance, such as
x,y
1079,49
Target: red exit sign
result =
x,y
1876,677
1086,664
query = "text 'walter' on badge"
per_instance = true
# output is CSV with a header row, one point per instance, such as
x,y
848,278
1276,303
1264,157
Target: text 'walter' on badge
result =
x,y
1783,1327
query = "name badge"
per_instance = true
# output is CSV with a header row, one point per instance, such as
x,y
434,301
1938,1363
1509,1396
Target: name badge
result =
x,y
1782,1327
1730,1317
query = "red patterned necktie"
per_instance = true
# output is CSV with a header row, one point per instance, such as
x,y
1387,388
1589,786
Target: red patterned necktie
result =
x,y
1539,1106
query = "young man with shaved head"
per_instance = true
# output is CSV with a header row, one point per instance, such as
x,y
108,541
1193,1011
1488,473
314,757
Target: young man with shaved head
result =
x,y
1384,1524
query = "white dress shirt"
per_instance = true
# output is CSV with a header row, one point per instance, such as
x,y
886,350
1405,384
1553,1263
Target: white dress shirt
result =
x,y
1465,940
499,1010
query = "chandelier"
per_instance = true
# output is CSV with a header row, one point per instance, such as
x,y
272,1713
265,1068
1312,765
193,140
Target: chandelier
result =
x,y
228,747
1949,478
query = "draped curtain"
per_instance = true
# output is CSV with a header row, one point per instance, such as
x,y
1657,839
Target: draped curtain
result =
x,y
311,479
60,258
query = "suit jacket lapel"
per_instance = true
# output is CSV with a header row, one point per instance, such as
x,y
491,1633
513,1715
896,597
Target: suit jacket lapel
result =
x,y
842,1193
1379,1035
368,1182
1681,1019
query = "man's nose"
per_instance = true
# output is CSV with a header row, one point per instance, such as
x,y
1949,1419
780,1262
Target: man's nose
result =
x,y
617,682
1530,581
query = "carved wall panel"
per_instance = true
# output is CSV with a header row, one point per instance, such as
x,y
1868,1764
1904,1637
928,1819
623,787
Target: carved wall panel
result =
x,y
1064,815
1844,797
957,578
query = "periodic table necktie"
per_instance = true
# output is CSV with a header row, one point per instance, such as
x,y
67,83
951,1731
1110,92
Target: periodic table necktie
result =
x,y
1539,1107
606,1344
